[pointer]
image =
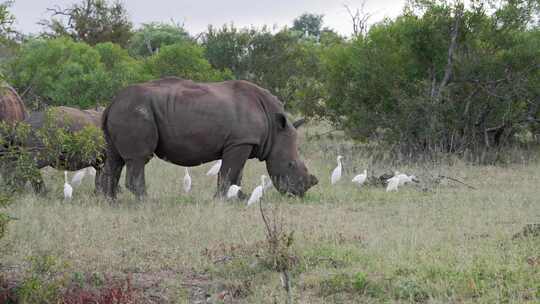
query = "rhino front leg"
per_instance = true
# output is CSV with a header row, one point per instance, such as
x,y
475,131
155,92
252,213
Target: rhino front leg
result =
x,y
234,159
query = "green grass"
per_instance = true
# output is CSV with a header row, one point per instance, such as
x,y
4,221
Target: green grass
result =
x,y
445,245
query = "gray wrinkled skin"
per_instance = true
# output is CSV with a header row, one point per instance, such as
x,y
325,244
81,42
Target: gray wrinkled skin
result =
x,y
188,124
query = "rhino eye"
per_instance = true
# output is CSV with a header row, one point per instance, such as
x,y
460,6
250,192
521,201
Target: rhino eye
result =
x,y
292,164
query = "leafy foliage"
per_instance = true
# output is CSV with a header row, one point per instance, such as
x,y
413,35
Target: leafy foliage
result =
x,y
151,37
21,147
439,77
6,21
185,60
228,48
16,161
64,72
83,146
308,24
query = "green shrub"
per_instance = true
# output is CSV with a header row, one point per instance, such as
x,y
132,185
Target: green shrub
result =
x,y
63,72
396,84
184,60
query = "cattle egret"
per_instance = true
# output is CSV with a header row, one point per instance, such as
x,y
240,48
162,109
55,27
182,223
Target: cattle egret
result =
x,y
393,184
268,185
215,169
360,179
233,191
187,181
76,180
68,190
257,193
404,179
91,171
336,174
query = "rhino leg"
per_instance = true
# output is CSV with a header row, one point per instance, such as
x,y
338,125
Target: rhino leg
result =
x,y
98,180
111,174
234,159
38,184
135,177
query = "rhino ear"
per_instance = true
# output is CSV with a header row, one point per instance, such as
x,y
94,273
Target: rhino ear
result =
x,y
297,124
281,120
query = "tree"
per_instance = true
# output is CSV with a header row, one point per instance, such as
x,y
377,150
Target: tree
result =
x,y
228,48
63,72
148,40
91,21
6,21
439,78
185,60
8,34
359,19
308,24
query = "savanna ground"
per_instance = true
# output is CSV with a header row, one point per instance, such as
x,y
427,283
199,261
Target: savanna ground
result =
x,y
432,242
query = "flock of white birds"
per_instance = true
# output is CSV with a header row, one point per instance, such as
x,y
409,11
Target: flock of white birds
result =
x,y
393,183
76,180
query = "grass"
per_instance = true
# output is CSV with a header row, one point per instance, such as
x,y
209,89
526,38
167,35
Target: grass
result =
x,y
445,245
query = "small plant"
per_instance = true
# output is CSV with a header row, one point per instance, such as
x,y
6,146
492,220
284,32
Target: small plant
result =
x,y
44,281
335,283
279,249
360,281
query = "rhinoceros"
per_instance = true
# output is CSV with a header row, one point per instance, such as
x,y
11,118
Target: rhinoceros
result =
x,y
11,106
188,124
72,120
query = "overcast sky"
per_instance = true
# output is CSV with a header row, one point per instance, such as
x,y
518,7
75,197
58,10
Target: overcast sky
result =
x,y
197,14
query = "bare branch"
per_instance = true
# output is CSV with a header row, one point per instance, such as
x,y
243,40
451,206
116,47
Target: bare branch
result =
x,y
457,181
359,19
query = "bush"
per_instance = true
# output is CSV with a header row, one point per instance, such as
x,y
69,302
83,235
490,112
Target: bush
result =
x,y
151,37
64,72
54,143
184,60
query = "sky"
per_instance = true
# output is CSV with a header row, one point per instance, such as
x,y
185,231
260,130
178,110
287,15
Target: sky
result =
x,y
196,15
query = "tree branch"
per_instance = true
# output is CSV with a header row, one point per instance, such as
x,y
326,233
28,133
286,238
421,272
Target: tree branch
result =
x,y
451,50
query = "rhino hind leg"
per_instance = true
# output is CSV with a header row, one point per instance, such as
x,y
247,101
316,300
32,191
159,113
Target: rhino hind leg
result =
x,y
135,177
109,178
132,140
234,159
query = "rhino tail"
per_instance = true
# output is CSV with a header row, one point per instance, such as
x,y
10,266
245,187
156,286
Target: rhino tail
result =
x,y
104,119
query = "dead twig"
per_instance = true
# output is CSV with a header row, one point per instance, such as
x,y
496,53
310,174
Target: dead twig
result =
x,y
457,181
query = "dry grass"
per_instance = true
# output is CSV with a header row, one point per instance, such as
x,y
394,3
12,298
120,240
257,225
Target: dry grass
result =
x,y
449,244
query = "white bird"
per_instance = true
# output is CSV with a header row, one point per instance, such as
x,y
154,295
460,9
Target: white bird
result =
x,y
91,171
360,179
76,180
404,179
257,193
268,185
393,184
233,191
336,174
215,169
187,181
68,190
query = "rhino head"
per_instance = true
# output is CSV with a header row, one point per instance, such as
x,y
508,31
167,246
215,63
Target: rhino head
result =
x,y
289,174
